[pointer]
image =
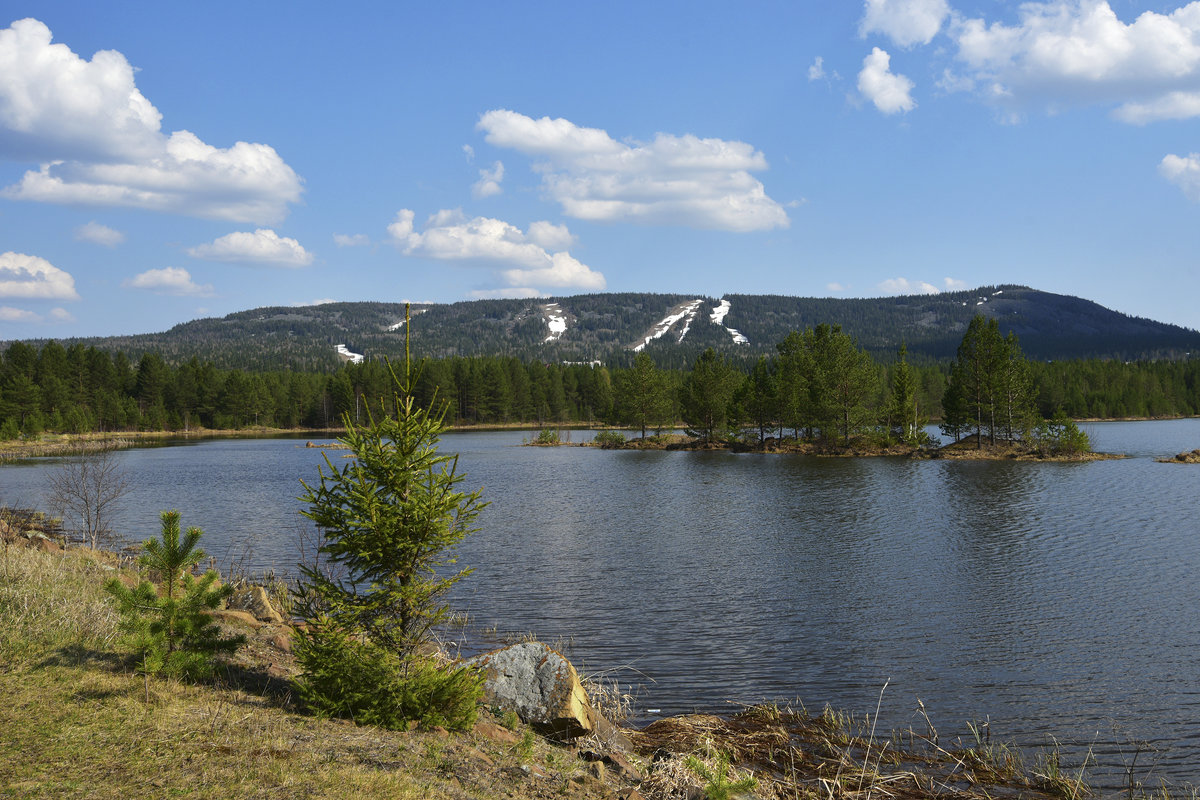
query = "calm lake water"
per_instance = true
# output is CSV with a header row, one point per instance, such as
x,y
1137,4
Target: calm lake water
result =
x,y
1055,600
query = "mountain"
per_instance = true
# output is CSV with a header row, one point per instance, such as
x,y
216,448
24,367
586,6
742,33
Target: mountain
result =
x,y
674,328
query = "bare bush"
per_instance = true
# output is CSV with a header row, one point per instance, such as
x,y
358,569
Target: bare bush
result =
x,y
85,491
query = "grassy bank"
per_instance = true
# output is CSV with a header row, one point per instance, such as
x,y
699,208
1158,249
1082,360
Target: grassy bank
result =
x,y
78,723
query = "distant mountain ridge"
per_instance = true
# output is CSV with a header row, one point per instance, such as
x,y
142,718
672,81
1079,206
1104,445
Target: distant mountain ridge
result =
x,y
673,328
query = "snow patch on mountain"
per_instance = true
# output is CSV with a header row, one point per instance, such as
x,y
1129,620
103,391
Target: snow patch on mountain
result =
x,y
556,321
346,356
682,311
717,317
397,326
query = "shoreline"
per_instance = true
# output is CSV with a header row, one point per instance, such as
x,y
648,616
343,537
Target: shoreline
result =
x,y
789,751
47,445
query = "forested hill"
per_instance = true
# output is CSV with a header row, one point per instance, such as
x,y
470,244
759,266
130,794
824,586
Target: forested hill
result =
x,y
673,328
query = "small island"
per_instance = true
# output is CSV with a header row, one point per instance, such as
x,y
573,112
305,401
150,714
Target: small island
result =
x,y
1185,457
825,396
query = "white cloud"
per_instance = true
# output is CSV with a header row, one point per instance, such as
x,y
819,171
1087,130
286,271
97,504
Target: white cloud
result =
x,y
905,22
170,280
61,315
817,71
1078,51
523,258
1183,172
888,91
672,180
319,302
488,184
402,228
905,286
99,141
351,240
834,286
954,284
264,246
32,277
10,314
550,236
99,234
1172,105
469,152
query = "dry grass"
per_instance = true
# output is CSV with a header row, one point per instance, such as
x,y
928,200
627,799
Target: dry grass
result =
x,y
78,723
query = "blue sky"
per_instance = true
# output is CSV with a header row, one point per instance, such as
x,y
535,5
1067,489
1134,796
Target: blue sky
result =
x,y
161,162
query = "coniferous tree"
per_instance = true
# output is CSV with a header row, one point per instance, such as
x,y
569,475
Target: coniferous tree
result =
x,y
643,399
906,420
795,370
976,372
389,521
759,397
171,628
706,395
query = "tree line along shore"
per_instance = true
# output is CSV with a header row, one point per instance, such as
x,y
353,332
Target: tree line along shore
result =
x,y
819,385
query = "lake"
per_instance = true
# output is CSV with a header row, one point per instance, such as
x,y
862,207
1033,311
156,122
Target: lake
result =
x,y
1053,600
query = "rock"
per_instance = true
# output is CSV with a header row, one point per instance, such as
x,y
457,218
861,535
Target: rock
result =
x,y
540,685
282,642
255,600
497,733
48,546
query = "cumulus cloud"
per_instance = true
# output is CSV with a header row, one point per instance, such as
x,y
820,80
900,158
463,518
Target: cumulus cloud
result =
x,y
954,284
817,71
905,286
351,240
10,314
96,233
61,315
522,258
32,277
1078,51
171,281
550,236
264,246
672,180
1183,172
99,140
1172,105
905,22
834,286
891,93
488,184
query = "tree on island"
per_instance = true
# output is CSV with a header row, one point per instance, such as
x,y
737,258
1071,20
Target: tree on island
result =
x,y
852,379
905,421
706,395
758,397
643,396
990,388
